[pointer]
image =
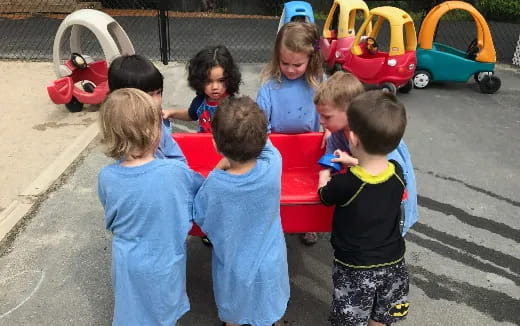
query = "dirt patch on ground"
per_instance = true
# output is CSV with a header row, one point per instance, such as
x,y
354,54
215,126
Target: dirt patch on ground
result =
x,y
34,130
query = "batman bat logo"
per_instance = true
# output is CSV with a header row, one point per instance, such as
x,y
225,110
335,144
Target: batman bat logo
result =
x,y
399,310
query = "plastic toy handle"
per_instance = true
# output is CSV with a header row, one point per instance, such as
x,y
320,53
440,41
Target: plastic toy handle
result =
x,y
60,90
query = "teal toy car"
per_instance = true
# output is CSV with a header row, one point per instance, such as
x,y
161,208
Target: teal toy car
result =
x,y
440,62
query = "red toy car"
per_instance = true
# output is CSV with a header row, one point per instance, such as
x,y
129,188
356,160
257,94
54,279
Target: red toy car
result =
x,y
390,70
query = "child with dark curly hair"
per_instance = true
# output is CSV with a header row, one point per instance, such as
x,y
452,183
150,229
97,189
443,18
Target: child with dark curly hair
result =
x,y
214,75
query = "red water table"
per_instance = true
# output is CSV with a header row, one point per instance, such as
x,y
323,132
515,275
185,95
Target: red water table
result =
x,y
300,207
81,80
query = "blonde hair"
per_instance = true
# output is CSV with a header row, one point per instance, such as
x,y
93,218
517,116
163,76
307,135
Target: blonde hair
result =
x,y
297,37
340,89
130,123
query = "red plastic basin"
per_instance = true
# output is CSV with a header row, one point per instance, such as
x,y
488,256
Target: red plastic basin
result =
x,y
300,207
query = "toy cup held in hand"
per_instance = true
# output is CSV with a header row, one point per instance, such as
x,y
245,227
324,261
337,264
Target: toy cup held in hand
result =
x,y
326,162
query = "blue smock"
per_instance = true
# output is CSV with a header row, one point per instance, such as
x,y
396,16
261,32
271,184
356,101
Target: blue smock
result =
x,y
148,209
289,106
401,155
168,148
241,216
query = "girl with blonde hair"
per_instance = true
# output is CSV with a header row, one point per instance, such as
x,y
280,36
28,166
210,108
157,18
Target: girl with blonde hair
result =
x,y
148,209
288,85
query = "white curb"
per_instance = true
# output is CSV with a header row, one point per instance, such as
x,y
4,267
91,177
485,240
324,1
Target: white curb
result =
x,y
19,208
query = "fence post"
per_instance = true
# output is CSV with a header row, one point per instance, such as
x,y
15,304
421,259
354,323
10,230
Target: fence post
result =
x,y
164,31
516,56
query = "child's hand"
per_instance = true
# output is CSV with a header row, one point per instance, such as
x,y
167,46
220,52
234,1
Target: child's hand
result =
x,y
223,164
167,114
344,158
326,135
325,176
177,114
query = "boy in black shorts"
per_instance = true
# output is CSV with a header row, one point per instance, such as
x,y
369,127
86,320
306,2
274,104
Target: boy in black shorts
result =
x,y
369,273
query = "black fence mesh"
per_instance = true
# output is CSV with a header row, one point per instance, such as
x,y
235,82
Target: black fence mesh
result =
x,y
248,28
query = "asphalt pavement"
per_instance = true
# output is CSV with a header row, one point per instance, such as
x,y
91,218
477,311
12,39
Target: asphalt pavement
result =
x,y
463,254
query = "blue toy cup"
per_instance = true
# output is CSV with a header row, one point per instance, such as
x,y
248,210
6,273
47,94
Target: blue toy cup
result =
x,y
325,161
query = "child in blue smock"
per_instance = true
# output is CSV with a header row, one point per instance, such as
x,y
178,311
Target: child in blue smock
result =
x,y
332,99
288,85
238,207
148,217
136,71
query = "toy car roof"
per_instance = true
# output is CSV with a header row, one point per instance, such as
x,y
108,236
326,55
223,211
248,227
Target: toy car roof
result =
x,y
394,15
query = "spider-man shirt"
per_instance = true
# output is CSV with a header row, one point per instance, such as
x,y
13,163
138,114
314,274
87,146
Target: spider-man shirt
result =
x,y
202,110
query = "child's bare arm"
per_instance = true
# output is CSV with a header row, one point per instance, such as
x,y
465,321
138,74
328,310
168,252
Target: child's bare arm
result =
x,y
178,114
326,135
344,158
324,177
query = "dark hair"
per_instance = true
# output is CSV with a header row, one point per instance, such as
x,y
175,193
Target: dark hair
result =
x,y
379,119
239,128
211,56
134,71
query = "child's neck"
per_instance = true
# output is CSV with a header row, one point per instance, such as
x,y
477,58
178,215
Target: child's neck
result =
x,y
137,160
238,168
372,164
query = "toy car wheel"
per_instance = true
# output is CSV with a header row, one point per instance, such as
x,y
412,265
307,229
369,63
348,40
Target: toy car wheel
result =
x,y
406,88
74,105
421,79
489,84
389,87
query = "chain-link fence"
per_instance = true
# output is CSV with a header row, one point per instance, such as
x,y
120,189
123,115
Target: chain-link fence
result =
x,y
28,28
247,28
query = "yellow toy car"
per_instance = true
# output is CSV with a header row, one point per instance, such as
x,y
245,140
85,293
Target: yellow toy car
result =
x,y
339,29
389,70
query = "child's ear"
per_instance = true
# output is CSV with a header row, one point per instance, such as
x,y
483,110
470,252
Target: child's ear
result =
x,y
353,139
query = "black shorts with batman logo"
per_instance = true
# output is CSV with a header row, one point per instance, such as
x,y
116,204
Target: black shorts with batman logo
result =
x,y
379,294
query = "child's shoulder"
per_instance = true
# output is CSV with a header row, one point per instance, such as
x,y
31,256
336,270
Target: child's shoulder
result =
x,y
397,168
171,164
110,168
197,101
269,83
